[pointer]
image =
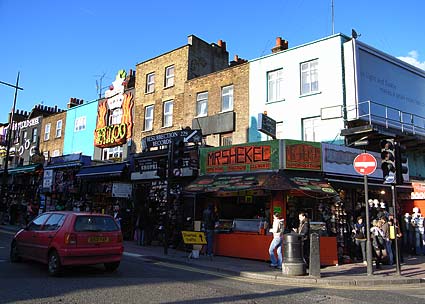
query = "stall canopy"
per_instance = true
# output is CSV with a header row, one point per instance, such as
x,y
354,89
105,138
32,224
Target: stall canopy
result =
x,y
102,170
25,169
264,180
312,182
239,182
67,161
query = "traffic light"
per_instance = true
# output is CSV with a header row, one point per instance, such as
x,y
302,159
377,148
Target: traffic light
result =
x,y
388,164
401,163
161,168
178,153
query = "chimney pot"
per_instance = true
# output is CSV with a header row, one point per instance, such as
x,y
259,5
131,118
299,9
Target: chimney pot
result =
x,y
280,45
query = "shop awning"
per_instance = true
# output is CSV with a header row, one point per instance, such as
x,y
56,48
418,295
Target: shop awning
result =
x,y
102,170
67,165
312,182
264,180
240,182
24,169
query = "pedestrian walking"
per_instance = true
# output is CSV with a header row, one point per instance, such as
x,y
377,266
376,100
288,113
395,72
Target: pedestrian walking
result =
x,y
378,242
359,233
276,244
209,219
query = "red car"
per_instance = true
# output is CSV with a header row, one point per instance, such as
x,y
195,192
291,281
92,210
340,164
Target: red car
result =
x,y
63,238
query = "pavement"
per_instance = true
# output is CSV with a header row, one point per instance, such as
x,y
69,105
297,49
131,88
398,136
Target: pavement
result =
x,y
353,274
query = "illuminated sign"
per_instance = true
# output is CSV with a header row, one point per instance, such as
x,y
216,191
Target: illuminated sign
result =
x,y
111,135
303,155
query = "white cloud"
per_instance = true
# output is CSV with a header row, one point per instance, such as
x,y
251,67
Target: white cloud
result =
x,y
413,59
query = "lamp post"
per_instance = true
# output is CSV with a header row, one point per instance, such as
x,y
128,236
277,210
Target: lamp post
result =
x,y
4,190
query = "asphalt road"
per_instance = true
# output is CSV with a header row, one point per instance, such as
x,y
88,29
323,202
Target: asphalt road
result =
x,y
140,280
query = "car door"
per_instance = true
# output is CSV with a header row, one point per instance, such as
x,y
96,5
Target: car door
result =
x,y
27,239
47,233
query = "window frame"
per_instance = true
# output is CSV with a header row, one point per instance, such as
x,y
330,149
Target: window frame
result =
x,y
47,133
278,85
169,77
150,83
167,115
306,76
58,132
34,135
231,98
80,124
148,118
199,102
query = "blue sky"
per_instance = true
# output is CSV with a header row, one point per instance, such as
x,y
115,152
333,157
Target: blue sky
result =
x,y
61,48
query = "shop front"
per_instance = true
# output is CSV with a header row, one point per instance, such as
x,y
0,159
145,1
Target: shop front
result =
x,y
23,190
247,184
339,171
106,186
60,188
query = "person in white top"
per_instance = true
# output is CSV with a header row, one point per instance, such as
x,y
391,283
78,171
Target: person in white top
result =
x,y
277,230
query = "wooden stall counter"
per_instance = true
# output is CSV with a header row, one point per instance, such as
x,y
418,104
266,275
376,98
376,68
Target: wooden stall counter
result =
x,y
255,246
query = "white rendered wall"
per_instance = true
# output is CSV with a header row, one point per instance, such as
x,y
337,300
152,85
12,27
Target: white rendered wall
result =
x,y
290,112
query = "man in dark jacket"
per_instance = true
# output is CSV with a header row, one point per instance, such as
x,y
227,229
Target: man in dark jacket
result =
x,y
304,230
209,218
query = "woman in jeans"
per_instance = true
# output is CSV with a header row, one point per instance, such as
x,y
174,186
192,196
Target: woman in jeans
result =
x,y
360,237
276,243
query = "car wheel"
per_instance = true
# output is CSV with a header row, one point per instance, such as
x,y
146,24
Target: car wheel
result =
x,y
110,267
54,264
14,254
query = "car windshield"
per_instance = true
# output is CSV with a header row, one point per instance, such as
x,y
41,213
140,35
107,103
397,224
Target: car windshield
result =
x,y
86,223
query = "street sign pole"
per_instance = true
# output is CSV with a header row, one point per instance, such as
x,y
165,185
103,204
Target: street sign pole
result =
x,y
368,243
365,164
397,259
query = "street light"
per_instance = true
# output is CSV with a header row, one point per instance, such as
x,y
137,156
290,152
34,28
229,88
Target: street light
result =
x,y
4,192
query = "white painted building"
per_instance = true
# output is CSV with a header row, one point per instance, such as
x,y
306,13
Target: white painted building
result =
x,y
297,87
335,85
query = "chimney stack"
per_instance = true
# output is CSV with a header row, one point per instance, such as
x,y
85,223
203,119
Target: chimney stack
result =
x,y
281,45
222,44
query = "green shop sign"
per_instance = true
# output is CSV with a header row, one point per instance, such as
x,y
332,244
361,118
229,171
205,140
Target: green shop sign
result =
x,y
248,157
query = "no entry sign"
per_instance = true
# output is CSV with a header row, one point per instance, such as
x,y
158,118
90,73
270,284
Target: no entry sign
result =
x,y
365,164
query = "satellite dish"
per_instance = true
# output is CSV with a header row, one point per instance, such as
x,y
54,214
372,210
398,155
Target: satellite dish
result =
x,y
354,34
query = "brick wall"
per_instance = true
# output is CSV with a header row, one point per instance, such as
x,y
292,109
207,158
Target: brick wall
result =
x,y
238,76
53,143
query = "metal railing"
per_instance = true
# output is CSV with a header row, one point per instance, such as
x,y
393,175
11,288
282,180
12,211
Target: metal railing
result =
x,y
389,117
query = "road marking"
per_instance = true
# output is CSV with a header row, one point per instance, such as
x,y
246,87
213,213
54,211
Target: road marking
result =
x,y
133,255
1,247
7,232
3,261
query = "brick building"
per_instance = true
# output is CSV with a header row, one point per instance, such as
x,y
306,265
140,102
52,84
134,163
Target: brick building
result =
x,y
160,85
52,135
217,104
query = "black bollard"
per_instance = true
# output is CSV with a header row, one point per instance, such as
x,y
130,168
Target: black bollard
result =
x,y
314,268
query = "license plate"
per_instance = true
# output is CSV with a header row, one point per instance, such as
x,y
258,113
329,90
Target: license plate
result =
x,y
98,239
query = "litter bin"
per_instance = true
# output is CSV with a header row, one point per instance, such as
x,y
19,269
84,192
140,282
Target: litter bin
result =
x,y
293,261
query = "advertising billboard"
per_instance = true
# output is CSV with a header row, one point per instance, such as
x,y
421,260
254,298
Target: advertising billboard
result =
x,y
382,88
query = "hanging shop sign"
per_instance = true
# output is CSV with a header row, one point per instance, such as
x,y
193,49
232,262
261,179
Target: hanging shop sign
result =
x,y
117,104
48,179
122,190
165,139
267,125
239,158
302,155
339,160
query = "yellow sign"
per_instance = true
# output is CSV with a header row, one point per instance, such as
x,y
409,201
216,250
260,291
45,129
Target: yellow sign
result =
x,y
194,237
